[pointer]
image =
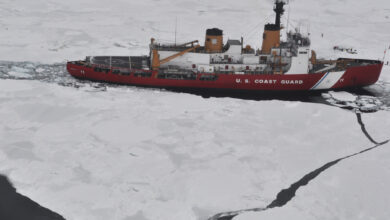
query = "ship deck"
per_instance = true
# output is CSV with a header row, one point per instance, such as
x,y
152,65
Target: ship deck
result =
x,y
118,62
126,63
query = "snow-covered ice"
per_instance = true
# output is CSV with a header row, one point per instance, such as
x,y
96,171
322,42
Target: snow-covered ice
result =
x,y
92,151
169,156
54,31
342,96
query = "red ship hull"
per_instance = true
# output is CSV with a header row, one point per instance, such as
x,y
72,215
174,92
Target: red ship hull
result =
x,y
358,76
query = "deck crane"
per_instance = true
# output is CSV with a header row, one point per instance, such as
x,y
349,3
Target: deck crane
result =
x,y
156,62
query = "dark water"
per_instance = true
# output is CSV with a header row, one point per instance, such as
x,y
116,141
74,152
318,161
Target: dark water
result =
x,y
14,206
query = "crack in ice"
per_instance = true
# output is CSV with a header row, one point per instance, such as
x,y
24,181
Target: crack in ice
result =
x,y
363,126
286,195
56,73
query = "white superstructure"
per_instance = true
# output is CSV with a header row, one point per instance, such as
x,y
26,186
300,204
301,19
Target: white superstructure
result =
x,y
291,57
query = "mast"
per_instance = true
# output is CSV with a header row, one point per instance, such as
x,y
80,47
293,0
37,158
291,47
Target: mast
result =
x,y
175,30
279,10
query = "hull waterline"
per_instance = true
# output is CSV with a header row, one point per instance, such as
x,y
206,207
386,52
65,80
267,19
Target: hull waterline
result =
x,y
358,76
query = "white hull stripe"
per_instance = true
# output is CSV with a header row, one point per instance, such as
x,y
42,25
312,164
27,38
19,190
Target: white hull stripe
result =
x,y
328,80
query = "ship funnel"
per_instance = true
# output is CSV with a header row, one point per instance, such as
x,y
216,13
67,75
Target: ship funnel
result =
x,y
271,36
214,40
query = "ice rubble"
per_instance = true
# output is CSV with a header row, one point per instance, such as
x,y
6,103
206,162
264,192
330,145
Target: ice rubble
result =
x,y
131,153
169,156
362,103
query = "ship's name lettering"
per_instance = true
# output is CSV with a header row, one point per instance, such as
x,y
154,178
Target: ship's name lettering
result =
x,y
271,81
261,81
292,82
